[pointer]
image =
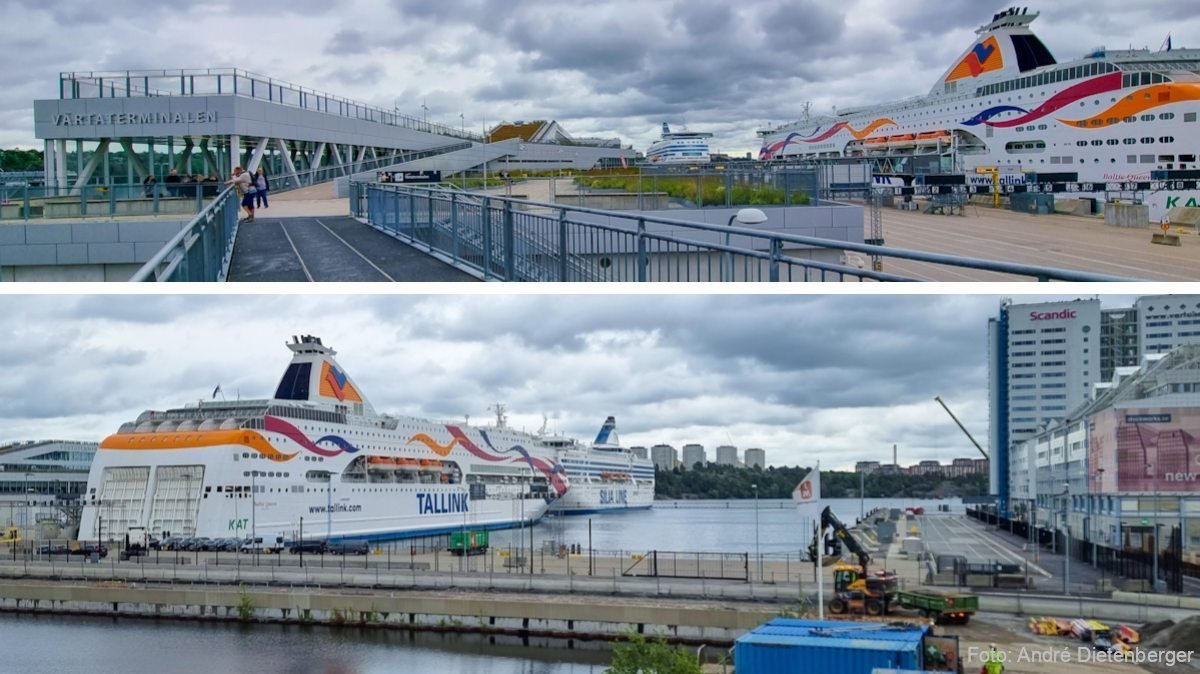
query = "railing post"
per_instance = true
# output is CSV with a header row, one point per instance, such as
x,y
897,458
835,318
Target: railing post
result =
x,y
487,237
454,226
776,254
412,215
509,253
112,200
82,201
643,260
25,200
562,245
429,223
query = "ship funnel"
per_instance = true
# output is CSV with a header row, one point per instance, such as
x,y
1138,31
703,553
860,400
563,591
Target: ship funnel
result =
x,y
608,433
666,128
315,376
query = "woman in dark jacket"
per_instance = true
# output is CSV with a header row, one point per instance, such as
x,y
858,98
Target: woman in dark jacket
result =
x,y
263,184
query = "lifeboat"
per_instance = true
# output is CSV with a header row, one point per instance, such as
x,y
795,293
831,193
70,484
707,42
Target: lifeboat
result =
x,y
381,463
932,138
877,143
901,142
408,464
427,464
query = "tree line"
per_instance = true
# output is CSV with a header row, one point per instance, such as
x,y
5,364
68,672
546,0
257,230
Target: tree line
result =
x,y
733,482
20,160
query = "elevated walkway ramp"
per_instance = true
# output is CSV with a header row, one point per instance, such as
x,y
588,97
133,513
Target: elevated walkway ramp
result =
x,y
336,248
451,162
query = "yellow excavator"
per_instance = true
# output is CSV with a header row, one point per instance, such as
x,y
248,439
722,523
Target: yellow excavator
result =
x,y
10,536
855,588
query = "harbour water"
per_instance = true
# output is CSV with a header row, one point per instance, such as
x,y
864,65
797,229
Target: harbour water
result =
x,y
706,526
78,645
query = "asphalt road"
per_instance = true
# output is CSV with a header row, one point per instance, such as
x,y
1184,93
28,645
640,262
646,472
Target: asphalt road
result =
x,y
330,249
959,535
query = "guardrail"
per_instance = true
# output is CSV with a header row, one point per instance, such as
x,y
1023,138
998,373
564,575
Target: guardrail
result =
x,y
202,249
105,200
501,238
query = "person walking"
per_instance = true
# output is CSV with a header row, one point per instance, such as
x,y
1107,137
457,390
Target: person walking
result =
x,y
242,182
262,184
172,180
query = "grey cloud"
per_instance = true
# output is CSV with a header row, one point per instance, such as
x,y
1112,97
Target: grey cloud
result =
x,y
347,41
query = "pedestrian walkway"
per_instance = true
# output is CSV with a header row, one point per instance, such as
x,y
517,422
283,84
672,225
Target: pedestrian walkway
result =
x,y
333,248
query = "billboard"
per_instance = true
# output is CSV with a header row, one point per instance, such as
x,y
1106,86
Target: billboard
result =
x,y
1145,450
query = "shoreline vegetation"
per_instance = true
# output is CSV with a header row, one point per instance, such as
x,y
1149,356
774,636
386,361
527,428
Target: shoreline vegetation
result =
x,y
777,482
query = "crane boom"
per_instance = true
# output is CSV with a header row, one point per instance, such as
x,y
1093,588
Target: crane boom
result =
x,y
828,519
961,427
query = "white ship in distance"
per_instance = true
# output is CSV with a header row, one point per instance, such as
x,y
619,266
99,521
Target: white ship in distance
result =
x,y
605,476
679,147
317,452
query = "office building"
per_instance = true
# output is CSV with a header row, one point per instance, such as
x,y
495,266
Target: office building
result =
x,y
756,458
727,455
36,477
1166,322
664,457
1118,340
693,454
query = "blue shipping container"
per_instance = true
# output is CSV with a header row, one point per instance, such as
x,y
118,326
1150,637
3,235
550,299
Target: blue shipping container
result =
x,y
812,646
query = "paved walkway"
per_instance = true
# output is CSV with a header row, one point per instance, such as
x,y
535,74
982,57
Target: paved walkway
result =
x,y
1063,241
334,248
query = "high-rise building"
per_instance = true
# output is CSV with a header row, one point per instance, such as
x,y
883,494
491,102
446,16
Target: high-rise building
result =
x,y
756,457
727,455
1118,340
640,452
664,457
693,454
1166,322
1042,362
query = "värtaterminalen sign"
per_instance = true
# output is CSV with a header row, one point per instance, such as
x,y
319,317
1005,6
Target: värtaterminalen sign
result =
x,y
97,119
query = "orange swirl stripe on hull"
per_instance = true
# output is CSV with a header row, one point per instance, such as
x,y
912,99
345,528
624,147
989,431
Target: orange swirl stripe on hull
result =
x,y
439,449
1137,102
195,440
870,128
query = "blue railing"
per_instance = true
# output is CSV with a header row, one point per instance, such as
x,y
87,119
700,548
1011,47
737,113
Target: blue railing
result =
x,y
104,200
202,249
499,238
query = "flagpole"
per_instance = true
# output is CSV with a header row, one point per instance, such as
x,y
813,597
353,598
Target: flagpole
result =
x,y
817,555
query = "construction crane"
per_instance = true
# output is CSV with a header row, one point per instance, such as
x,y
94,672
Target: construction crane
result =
x,y
963,428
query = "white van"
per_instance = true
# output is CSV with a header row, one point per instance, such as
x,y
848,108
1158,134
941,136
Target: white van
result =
x,y
261,545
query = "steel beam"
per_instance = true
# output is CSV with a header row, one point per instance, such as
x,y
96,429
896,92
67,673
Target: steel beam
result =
x,y
134,160
285,153
97,158
257,155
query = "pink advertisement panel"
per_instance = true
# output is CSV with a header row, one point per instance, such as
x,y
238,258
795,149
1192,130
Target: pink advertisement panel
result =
x,y
1145,449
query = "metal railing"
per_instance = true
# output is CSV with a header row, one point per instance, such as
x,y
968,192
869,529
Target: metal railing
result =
x,y
201,251
237,82
500,238
104,200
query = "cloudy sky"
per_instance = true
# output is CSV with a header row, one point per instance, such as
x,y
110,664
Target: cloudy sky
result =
x,y
836,378
604,68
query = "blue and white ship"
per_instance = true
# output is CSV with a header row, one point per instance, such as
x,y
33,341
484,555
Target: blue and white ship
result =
x,y
604,477
679,147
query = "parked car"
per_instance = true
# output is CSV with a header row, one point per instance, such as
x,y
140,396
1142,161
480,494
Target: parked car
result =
x,y
54,549
89,548
307,547
349,548
261,545
203,544
171,542
227,544
155,543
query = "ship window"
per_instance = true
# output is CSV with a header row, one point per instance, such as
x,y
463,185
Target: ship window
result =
x,y
1147,141
1113,141
1097,142
1167,139
1147,118
1130,141
1189,116
1081,143
1042,127
1187,157
1167,116
1147,159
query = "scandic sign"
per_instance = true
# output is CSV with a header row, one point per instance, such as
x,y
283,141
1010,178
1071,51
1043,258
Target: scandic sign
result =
x,y
1052,315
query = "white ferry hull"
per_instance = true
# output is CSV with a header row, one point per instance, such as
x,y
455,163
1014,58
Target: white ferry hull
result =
x,y
588,499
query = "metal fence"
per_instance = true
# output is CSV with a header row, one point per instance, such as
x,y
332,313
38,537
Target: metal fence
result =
x,y
201,251
499,238
104,200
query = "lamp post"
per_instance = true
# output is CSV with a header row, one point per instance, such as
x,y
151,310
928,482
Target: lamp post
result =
x,y
748,217
757,552
1067,548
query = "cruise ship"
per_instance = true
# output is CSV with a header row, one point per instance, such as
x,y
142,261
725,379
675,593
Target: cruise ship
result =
x,y
1007,107
679,147
316,461
604,477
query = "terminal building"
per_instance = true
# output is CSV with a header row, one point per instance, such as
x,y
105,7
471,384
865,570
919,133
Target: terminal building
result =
x,y
38,477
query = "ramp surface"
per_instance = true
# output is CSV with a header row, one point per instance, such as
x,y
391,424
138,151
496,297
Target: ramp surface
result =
x,y
330,249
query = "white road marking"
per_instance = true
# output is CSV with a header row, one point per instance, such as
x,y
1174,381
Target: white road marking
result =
x,y
364,257
303,267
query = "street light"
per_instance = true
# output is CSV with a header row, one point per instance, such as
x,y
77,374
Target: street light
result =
x,y
748,217
1067,549
757,553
